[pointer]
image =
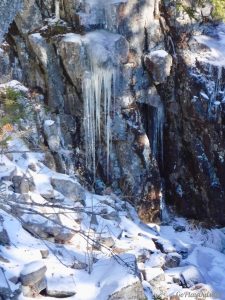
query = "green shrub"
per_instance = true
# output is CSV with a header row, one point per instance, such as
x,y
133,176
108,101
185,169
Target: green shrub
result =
x,y
218,9
11,112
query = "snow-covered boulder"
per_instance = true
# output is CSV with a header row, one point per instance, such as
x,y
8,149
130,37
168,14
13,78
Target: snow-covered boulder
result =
x,y
47,227
32,273
130,292
172,260
61,287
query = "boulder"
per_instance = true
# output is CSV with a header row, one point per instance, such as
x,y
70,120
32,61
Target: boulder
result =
x,y
190,276
52,134
46,228
156,278
159,64
61,287
20,184
70,189
164,246
34,289
172,260
32,273
130,292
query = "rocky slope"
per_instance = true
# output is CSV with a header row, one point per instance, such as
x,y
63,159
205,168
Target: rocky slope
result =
x,y
58,240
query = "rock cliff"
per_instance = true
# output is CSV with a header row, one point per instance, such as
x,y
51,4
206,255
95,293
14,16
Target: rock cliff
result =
x,y
136,95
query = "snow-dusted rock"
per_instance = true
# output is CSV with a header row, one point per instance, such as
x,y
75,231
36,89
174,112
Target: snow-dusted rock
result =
x,y
34,289
156,278
47,228
20,184
7,171
172,260
190,276
4,287
159,64
32,273
4,238
131,292
186,276
70,189
164,245
61,287
52,134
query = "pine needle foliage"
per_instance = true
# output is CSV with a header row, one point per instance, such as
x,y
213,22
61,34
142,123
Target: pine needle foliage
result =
x,y
11,111
218,11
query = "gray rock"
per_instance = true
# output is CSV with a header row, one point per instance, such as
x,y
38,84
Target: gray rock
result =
x,y
165,246
130,292
207,10
5,291
191,276
4,238
47,228
172,260
70,189
179,227
24,186
61,287
159,64
34,289
106,241
44,253
21,184
8,11
29,18
156,278
32,273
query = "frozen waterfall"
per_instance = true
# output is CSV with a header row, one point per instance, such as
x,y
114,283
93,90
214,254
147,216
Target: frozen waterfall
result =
x,y
98,94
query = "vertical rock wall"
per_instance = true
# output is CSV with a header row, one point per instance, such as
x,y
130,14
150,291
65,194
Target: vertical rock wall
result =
x,y
166,115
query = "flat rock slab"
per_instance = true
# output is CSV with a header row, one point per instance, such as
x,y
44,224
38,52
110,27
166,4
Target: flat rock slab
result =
x,y
32,273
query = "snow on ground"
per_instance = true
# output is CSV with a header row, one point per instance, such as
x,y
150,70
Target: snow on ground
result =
x,y
215,54
116,225
106,246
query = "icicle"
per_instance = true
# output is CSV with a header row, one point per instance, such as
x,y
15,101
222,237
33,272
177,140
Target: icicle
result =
x,y
97,86
172,46
216,90
157,137
57,9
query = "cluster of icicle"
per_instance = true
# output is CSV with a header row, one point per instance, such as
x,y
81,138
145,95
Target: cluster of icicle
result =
x,y
98,94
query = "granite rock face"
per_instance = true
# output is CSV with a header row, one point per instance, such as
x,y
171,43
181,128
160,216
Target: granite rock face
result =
x,y
166,120
8,11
